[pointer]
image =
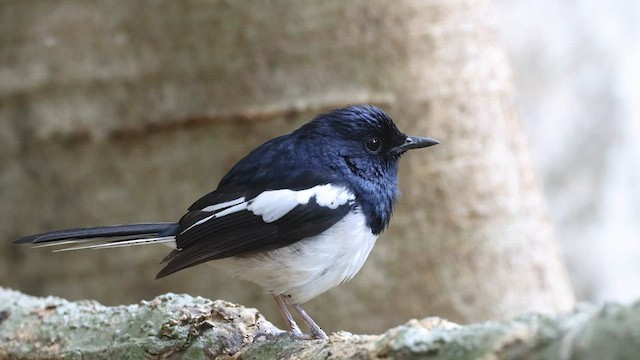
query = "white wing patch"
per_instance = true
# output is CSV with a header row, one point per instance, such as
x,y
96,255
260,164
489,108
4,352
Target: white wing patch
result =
x,y
216,207
274,204
331,196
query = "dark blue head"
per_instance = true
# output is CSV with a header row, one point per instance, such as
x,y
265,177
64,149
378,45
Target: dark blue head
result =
x,y
361,145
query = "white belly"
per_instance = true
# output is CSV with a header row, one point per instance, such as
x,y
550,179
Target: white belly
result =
x,y
311,266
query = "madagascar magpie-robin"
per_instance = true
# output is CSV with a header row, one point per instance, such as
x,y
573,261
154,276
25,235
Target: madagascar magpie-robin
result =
x,y
297,216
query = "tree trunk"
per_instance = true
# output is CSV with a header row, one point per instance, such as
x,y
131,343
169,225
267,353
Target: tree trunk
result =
x,y
126,111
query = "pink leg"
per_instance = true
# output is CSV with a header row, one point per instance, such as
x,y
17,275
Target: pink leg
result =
x,y
316,331
291,324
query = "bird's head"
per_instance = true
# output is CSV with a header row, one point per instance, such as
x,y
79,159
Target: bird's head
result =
x,y
362,139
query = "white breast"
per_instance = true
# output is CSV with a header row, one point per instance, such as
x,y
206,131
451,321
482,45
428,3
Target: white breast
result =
x,y
311,266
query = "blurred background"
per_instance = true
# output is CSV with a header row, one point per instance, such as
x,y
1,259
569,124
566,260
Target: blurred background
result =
x,y
128,111
577,77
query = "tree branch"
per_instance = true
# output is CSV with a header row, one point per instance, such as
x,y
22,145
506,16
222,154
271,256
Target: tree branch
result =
x,y
176,326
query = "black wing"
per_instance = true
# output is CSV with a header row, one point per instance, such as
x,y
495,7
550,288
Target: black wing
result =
x,y
220,225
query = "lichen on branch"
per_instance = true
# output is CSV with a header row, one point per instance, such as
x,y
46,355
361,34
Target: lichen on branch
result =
x,y
181,326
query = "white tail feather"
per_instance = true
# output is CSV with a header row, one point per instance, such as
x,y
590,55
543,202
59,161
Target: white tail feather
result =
x,y
62,243
169,240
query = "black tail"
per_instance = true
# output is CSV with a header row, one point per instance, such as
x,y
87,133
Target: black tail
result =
x,y
137,231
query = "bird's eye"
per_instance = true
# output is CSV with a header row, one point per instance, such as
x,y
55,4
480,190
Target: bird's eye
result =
x,y
373,144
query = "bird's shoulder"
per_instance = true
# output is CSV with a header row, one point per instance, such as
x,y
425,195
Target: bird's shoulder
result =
x,y
283,162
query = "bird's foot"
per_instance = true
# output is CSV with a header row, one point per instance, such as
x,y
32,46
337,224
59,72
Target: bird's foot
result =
x,y
294,330
302,336
318,333
294,335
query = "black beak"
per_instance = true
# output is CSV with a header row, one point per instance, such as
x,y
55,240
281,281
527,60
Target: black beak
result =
x,y
416,142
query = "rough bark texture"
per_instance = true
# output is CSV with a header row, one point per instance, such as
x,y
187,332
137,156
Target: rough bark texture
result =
x,y
124,111
179,326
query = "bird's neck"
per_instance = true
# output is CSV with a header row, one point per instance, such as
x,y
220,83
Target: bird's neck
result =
x,y
376,200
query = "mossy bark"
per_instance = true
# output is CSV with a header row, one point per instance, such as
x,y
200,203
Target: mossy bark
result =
x,y
180,326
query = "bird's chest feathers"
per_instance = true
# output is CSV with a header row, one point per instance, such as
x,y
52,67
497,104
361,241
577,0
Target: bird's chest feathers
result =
x,y
311,266
377,201
338,253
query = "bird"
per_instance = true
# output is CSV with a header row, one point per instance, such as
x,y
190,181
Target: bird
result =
x,y
297,216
